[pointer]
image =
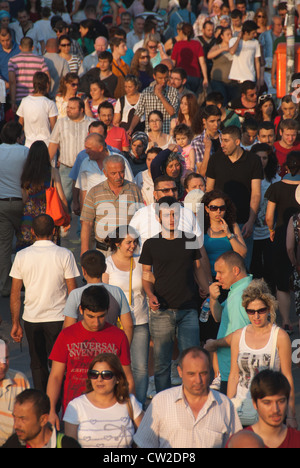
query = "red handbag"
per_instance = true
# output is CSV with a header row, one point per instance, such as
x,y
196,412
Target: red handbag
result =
x,y
54,207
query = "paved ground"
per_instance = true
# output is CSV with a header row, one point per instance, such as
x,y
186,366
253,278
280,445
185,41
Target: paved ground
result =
x,y
19,357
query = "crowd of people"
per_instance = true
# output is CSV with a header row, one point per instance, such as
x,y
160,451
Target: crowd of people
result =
x,y
160,131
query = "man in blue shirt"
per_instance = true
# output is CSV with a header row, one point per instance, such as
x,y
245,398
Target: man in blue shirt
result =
x,y
231,274
8,49
182,15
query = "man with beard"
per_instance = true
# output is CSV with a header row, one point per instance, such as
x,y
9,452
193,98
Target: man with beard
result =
x,y
270,392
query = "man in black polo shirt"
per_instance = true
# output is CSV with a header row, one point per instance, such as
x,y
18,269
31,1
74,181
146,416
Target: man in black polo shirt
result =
x,y
171,273
238,173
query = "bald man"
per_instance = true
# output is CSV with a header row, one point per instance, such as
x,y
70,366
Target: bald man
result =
x,y
245,439
58,66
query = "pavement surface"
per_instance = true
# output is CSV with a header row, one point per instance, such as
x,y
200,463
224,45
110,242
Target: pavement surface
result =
x,y
19,355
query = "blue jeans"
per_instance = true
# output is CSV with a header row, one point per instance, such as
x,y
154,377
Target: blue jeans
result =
x,y
164,326
139,351
66,183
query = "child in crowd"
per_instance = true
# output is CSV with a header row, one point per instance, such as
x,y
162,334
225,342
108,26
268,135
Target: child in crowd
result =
x,y
183,136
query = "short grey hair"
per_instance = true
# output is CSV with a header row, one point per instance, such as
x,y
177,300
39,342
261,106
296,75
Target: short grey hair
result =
x,y
113,158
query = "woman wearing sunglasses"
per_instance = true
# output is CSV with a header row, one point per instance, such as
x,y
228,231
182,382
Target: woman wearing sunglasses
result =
x,y
221,232
106,415
68,87
258,346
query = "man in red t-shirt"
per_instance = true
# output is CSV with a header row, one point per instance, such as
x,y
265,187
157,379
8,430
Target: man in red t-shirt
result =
x,y
116,136
270,392
77,345
288,132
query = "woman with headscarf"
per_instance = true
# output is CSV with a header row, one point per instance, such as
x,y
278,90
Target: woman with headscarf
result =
x,y
169,161
137,154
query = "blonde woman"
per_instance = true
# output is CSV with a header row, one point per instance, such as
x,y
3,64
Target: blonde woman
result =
x,y
258,346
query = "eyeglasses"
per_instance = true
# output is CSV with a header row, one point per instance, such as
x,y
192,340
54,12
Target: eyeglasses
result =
x,y
74,85
65,45
216,208
144,57
263,310
155,121
105,374
166,190
152,46
264,97
261,16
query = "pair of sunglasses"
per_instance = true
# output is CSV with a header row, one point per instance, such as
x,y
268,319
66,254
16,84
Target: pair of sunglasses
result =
x,y
216,208
105,374
263,310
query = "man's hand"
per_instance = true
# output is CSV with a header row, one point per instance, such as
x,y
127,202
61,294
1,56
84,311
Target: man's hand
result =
x,y
247,229
210,346
153,302
17,332
214,291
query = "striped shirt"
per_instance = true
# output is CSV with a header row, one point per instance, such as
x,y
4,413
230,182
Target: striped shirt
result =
x,y
108,211
149,102
13,384
24,66
70,136
170,423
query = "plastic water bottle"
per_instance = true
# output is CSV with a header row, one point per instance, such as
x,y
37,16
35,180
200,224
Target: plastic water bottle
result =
x,y
205,311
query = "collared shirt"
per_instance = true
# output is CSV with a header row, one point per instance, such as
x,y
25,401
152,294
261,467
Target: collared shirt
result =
x,y
234,317
70,136
108,210
149,101
198,146
170,423
13,384
4,58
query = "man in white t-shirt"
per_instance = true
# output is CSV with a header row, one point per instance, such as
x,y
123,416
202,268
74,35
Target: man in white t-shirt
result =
x,y
38,114
48,274
246,54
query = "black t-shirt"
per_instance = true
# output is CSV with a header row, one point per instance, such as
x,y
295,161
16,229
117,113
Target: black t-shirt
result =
x,y
173,269
235,179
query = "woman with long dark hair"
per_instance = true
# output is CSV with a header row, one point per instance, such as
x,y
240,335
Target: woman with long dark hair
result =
x,y
36,177
142,68
106,415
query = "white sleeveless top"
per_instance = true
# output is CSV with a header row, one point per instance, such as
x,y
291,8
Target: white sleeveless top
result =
x,y
251,361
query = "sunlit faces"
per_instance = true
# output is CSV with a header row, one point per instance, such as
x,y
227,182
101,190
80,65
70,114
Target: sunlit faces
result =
x,y
195,374
196,183
272,409
101,385
216,209
128,246
266,136
263,157
229,144
169,217
106,116
137,148
288,137
93,321
115,173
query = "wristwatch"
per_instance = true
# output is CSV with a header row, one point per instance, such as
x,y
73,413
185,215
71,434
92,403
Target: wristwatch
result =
x,y
232,236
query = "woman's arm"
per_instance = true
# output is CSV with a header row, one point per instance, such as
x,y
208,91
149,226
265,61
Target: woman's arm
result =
x,y
270,215
284,347
71,430
234,368
58,185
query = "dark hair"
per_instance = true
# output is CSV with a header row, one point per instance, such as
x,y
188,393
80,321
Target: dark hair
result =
x,y
215,97
258,109
37,167
219,38
121,390
270,170
266,125
246,85
39,400
40,82
156,112
192,106
98,123
10,132
233,131
63,38
249,26
105,105
269,383
162,178
95,299
249,124
236,14
204,113
181,72
93,261
105,55
79,101
43,226
67,79
119,234
161,68
293,162
183,129
187,30
115,42
230,212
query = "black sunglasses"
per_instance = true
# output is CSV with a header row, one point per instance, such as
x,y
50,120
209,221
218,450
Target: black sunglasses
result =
x,y
166,190
216,208
105,374
263,310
